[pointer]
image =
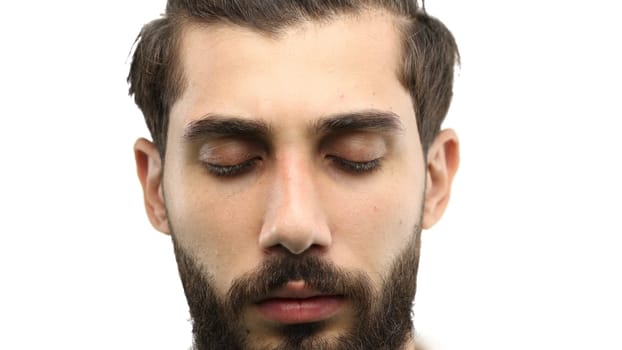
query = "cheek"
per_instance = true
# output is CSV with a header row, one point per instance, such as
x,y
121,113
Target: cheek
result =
x,y
371,228
219,229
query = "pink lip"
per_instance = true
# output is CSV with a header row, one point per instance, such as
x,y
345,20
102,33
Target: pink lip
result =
x,y
294,303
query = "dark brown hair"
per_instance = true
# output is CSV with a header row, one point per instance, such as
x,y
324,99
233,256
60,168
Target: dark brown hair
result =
x,y
156,77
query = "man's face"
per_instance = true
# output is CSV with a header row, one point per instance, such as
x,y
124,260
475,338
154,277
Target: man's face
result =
x,y
294,185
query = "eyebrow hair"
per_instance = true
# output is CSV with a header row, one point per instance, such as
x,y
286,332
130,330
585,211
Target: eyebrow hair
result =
x,y
223,125
367,120
226,125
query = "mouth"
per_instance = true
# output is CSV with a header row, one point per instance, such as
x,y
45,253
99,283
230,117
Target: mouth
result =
x,y
295,303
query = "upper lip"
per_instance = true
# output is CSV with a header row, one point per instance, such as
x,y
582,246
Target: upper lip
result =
x,y
289,292
294,294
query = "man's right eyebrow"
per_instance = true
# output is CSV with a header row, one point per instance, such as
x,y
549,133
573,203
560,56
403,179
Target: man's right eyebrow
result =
x,y
217,125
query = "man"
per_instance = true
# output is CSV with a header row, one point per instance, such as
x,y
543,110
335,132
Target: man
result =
x,y
296,156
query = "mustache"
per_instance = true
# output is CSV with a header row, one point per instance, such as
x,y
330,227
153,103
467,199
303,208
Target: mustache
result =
x,y
317,273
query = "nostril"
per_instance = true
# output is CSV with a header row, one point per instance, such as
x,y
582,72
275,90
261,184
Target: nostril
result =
x,y
280,249
318,249
277,249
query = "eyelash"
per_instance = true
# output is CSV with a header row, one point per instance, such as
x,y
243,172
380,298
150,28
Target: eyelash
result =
x,y
356,167
231,170
344,164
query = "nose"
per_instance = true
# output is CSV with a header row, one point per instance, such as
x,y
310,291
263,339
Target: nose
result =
x,y
294,218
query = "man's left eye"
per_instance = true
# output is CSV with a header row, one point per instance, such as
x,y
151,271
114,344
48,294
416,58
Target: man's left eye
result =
x,y
355,167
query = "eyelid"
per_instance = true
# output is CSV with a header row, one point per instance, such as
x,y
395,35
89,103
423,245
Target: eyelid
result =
x,y
231,170
356,167
227,152
356,147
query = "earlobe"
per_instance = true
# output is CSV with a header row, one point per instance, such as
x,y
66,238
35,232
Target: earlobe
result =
x,y
442,163
149,170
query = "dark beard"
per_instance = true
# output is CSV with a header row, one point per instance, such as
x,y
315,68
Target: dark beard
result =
x,y
381,322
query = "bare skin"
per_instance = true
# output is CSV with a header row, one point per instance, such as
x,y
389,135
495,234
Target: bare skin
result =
x,y
289,180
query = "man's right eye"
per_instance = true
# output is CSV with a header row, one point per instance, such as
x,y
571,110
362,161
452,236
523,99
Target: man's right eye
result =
x,y
231,170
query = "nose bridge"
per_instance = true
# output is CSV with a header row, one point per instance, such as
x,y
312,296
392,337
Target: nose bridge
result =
x,y
294,184
294,217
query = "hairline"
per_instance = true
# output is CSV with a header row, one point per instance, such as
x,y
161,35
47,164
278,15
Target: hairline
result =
x,y
182,23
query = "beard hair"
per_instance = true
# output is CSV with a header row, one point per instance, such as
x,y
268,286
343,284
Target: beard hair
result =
x,y
381,321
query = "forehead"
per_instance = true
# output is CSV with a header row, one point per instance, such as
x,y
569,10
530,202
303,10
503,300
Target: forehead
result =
x,y
311,69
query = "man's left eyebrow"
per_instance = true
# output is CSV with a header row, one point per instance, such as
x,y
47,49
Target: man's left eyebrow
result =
x,y
365,120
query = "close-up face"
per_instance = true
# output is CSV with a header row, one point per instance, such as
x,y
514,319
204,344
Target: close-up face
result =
x,y
294,179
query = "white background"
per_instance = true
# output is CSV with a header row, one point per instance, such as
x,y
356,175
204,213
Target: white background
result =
x,y
526,257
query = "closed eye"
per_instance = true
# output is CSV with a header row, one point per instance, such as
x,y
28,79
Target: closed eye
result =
x,y
354,167
232,170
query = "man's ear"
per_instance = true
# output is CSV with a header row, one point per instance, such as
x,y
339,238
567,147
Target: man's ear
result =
x,y
442,164
149,169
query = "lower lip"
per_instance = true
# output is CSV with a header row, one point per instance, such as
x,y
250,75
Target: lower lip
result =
x,y
294,311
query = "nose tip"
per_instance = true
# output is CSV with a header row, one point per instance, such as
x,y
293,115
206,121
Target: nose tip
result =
x,y
296,223
295,237
294,217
